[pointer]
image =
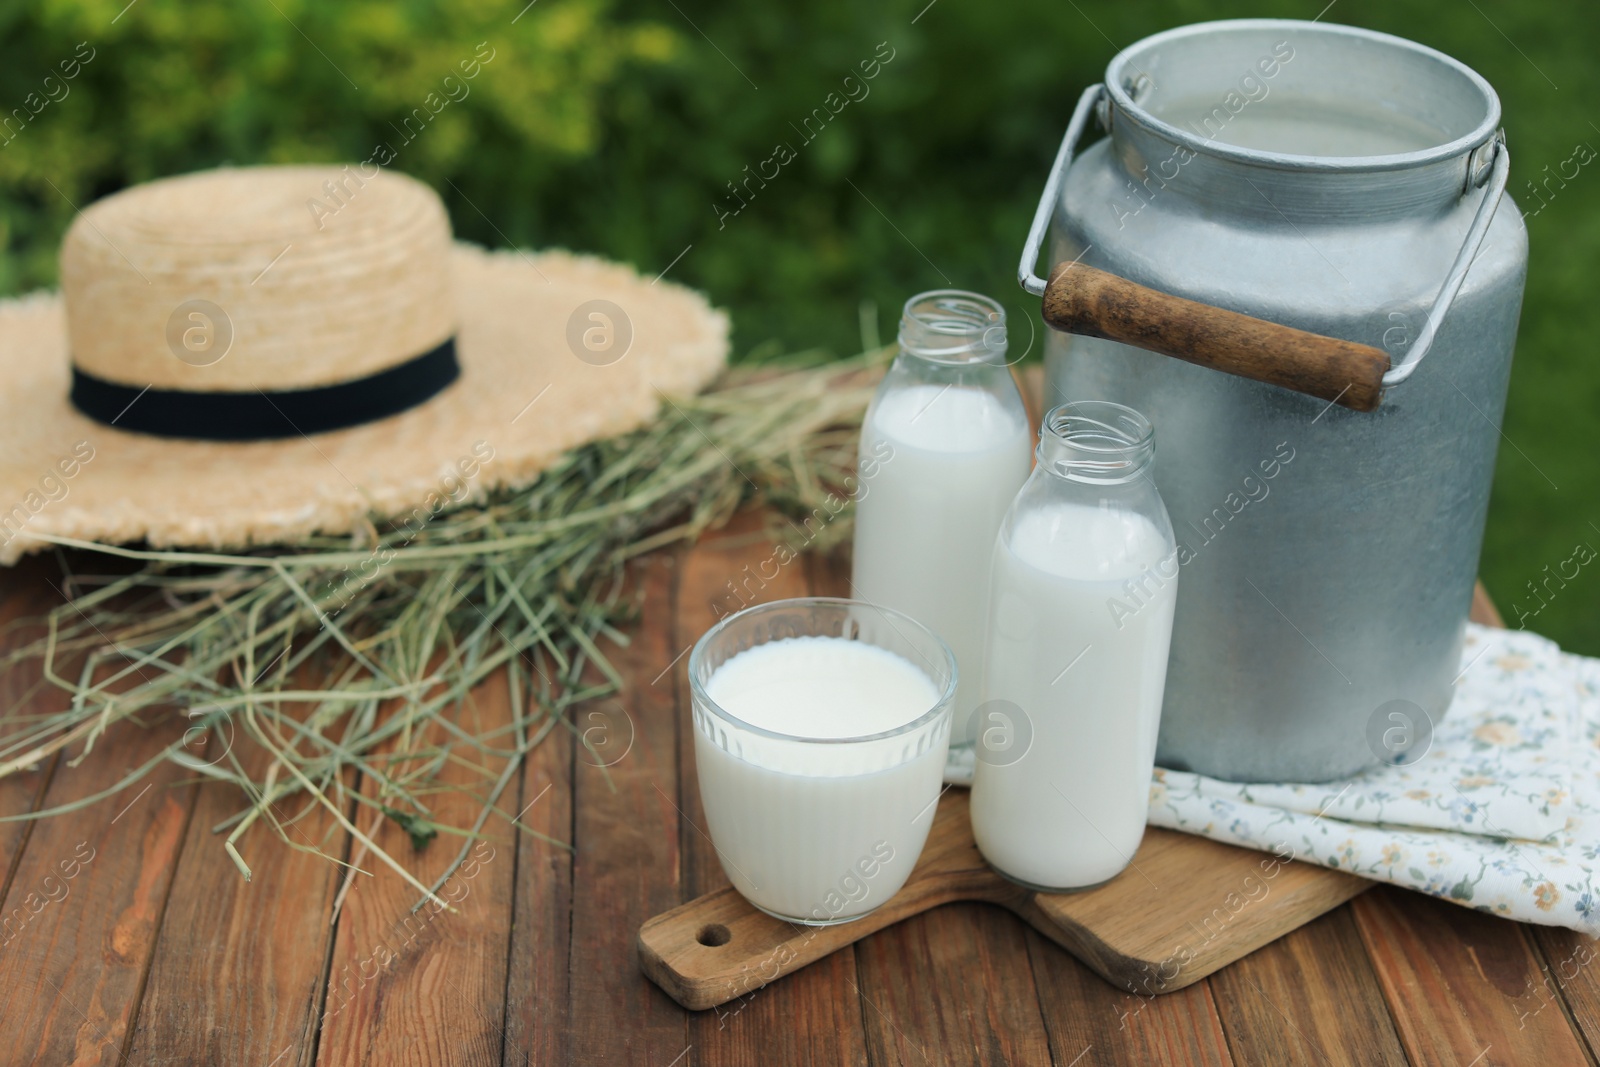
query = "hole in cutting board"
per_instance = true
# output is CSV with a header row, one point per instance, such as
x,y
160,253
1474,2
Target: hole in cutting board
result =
x,y
712,935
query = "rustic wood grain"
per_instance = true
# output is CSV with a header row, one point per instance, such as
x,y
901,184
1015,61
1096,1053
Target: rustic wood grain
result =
x,y
19,793
1185,907
628,862
429,987
1310,997
537,984
1456,983
258,949
92,885
951,986
728,571
1092,1022
26,594
1569,981
1084,300
71,979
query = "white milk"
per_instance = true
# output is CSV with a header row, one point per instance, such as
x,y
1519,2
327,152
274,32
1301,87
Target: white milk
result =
x,y
819,832
1084,653
926,524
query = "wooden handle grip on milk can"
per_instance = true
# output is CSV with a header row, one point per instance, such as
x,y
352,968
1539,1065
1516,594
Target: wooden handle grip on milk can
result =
x,y
1084,300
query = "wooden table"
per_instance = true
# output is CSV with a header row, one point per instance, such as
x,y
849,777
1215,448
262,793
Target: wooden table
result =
x,y
156,951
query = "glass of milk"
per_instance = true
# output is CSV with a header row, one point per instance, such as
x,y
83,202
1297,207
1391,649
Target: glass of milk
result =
x,y
945,445
821,728
1084,578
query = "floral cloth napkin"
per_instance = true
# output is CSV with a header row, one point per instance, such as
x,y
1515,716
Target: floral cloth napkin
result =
x,y
1502,814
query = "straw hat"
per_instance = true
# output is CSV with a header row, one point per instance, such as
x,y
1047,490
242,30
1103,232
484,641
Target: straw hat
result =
x,y
248,356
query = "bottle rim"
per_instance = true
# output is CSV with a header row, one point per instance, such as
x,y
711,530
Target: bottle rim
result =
x,y
953,326
1096,440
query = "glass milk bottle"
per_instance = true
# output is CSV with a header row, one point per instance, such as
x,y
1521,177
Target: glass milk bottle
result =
x,y
1085,575
945,446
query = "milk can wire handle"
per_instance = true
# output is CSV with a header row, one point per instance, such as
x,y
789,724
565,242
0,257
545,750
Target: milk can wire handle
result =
x,y
1031,282
1098,304
1498,173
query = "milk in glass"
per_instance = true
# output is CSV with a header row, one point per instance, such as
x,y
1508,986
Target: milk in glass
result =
x,y
820,757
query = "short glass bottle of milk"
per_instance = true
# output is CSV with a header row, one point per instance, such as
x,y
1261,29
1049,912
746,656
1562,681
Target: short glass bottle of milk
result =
x,y
945,445
1085,575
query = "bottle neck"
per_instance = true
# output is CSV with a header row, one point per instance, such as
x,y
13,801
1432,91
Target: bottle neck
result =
x,y
1096,442
953,328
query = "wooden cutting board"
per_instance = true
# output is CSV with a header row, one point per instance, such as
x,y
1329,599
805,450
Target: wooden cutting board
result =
x,y
1185,907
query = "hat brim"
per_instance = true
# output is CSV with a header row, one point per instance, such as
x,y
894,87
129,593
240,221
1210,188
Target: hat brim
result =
x,y
524,398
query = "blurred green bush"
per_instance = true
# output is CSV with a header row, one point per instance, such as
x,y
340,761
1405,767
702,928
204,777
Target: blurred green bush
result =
x,y
626,128
177,87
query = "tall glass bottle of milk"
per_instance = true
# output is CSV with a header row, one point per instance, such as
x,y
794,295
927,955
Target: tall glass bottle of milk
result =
x,y
945,446
1085,575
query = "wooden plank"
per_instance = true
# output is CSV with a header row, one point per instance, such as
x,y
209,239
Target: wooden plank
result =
x,y
429,987
91,889
537,985
722,574
1310,997
626,831
132,895
25,593
952,986
1568,982
1452,978
258,948
1091,1021
19,793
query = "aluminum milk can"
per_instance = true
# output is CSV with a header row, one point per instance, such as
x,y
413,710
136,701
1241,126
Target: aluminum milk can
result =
x,y
1294,253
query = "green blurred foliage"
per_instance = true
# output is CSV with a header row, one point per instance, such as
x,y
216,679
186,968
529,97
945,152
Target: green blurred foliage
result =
x,y
615,126
172,87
